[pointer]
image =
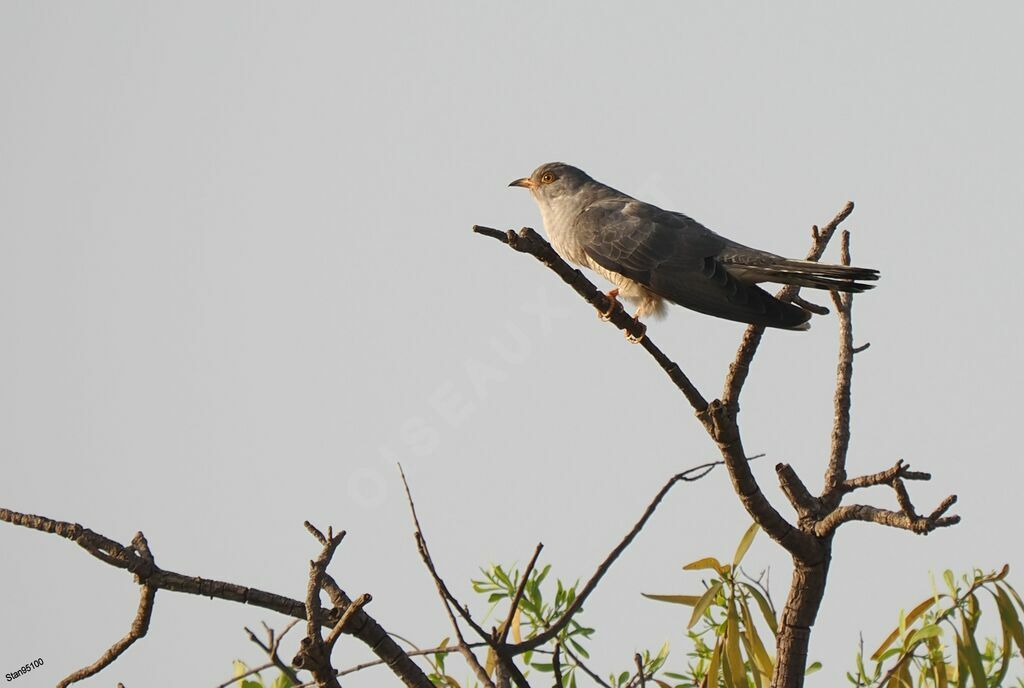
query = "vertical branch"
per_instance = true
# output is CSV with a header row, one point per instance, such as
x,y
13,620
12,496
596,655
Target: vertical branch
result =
x,y
835,475
740,367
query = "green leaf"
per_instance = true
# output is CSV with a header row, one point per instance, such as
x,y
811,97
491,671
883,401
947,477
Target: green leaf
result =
x,y
711,677
906,622
766,609
967,652
947,576
705,563
688,600
548,668
704,602
928,631
815,666
760,658
282,681
733,658
939,667
1009,617
741,549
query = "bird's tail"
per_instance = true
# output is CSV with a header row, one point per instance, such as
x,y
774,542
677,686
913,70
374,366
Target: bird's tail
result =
x,y
806,273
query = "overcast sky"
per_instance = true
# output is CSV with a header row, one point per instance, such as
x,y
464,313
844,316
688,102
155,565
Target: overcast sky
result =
x,y
238,284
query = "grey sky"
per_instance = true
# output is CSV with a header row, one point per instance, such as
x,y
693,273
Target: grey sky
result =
x,y
237,284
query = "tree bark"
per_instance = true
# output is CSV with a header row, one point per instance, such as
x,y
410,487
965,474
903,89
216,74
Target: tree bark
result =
x,y
805,594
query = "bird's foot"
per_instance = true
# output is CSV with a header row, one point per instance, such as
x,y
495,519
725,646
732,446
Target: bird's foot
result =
x,y
637,325
613,297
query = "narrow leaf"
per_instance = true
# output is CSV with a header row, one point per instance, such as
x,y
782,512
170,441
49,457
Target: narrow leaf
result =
x,y
705,563
741,549
688,600
759,656
907,621
928,631
711,678
766,609
704,602
733,657
1009,617
967,650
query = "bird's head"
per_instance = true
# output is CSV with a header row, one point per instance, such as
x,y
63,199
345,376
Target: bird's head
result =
x,y
553,182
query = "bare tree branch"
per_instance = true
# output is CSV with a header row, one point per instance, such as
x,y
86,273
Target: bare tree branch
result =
x,y
740,367
139,627
272,646
836,472
447,599
528,241
690,474
895,519
556,665
899,470
362,625
587,670
507,626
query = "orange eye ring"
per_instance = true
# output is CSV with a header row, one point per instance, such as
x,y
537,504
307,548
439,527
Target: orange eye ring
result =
x,y
547,178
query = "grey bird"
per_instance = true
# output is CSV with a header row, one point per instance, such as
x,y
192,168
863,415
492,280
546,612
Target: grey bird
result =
x,y
653,255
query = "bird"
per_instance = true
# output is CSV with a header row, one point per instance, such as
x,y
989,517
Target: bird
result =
x,y
654,256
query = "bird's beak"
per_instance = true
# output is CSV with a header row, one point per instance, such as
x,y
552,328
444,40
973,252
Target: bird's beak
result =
x,y
524,182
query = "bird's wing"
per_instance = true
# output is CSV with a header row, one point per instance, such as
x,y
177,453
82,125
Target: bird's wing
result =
x,y
677,258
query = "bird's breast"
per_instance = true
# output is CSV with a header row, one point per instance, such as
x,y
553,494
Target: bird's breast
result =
x,y
558,224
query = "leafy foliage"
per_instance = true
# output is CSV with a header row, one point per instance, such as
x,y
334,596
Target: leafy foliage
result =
x,y
936,644
729,649
732,625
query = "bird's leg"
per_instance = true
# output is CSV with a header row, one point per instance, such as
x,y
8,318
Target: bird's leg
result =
x,y
613,297
640,326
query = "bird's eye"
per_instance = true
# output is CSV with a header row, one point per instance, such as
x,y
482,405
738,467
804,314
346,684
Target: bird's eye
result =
x,y
547,178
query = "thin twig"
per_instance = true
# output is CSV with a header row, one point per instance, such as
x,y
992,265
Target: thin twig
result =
x,y
272,646
363,626
507,626
556,627
586,669
556,665
448,649
140,624
740,367
251,672
447,599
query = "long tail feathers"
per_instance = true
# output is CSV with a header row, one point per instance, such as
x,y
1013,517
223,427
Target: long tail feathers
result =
x,y
805,273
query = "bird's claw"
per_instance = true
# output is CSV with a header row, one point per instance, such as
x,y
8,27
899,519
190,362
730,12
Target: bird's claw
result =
x,y
636,339
613,297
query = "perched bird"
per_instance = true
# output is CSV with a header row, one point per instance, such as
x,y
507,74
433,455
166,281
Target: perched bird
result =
x,y
653,255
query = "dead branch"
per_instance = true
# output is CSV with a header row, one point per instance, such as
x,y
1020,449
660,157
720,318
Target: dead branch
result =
x,y
271,648
894,519
361,626
740,367
528,241
447,599
691,474
139,627
520,589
